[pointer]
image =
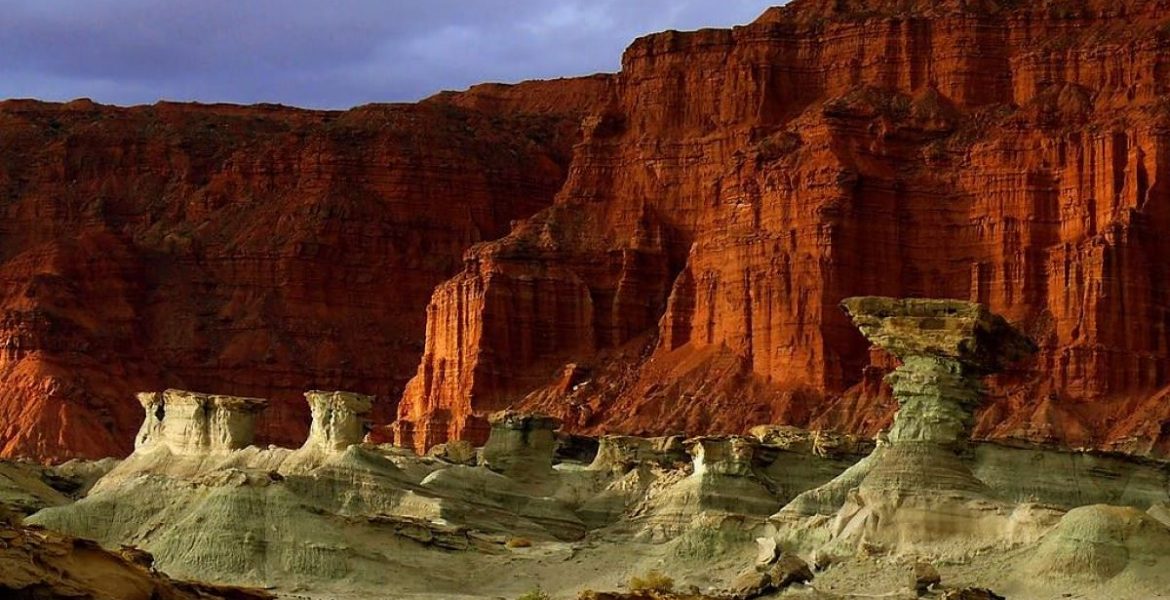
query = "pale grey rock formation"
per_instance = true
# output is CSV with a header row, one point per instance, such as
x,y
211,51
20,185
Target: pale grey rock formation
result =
x,y
1100,544
723,455
23,489
520,445
723,482
620,453
349,519
191,423
896,497
339,419
1068,478
459,452
826,444
27,487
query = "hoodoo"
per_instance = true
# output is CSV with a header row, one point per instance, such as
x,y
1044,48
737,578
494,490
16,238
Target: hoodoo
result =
x,y
191,423
915,491
339,419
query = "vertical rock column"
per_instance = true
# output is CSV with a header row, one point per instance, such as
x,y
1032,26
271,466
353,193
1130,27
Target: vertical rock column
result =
x,y
191,423
937,398
946,347
914,490
520,446
339,419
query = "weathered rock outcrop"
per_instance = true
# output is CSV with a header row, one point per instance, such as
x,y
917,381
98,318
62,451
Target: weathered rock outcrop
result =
x,y
340,519
735,185
40,564
254,251
915,491
191,423
521,446
339,419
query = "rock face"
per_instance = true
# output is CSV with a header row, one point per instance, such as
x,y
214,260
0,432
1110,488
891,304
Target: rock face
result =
x,y
714,202
254,251
734,186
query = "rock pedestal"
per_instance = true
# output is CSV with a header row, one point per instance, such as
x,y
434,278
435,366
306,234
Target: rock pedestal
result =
x,y
945,346
339,419
520,445
915,487
192,423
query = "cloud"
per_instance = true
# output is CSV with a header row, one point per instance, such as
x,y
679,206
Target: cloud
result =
x,y
321,54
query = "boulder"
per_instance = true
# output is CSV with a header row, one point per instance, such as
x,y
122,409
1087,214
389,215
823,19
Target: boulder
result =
x,y
924,577
459,452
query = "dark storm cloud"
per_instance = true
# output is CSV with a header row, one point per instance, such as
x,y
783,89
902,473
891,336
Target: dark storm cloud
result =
x,y
320,53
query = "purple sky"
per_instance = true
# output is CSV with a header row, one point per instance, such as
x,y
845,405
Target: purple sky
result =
x,y
321,53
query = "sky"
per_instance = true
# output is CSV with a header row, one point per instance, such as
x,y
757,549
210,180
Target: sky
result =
x,y
321,53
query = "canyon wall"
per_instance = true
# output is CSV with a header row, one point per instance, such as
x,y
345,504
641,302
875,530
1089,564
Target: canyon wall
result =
x,y
655,251
253,251
733,186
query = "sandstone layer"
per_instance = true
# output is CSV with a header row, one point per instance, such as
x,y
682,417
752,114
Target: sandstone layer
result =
x,y
656,251
252,251
733,186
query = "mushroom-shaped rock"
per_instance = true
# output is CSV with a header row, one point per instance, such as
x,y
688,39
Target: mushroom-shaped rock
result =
x,y
193,423
339,419
520,445
967,332
945,347
915,488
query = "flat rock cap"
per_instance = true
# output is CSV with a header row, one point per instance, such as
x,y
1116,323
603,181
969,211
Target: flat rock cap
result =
x,y
964,331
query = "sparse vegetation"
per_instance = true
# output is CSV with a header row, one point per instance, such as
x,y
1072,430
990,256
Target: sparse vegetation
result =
x,y
652,581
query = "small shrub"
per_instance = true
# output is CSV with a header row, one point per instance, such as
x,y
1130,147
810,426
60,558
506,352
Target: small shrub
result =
x,y
536,594
518,542
652,581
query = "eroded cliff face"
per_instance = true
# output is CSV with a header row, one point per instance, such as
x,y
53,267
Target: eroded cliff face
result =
x,y
253,251
733,186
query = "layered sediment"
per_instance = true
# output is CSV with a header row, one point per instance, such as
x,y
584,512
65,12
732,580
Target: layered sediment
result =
x,y
655,251
340,518
247,251
733,186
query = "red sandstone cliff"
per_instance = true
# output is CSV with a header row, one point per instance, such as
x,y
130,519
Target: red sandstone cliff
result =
x,y
715,200
732,186
246,250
